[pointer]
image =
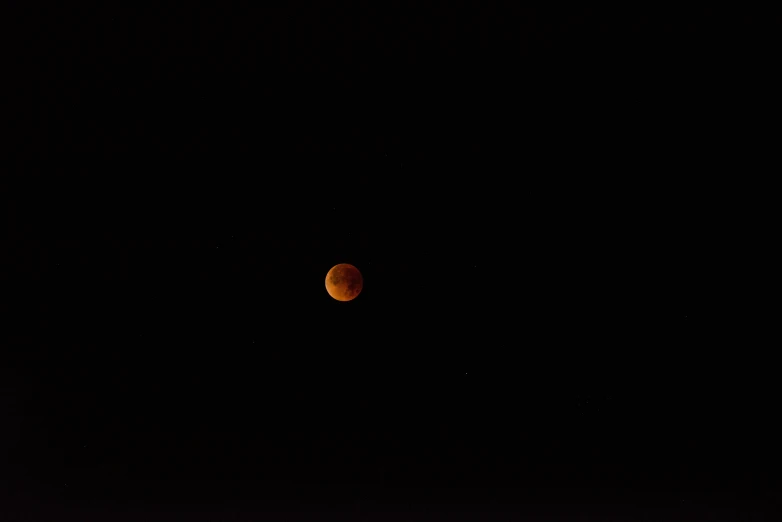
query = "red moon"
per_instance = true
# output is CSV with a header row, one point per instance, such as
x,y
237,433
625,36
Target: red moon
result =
x,y
344,282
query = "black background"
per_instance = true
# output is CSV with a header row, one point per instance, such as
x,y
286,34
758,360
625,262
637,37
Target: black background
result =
x,y
522,189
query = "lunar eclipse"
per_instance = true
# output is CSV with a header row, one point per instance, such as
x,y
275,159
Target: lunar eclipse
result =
x,y
344,282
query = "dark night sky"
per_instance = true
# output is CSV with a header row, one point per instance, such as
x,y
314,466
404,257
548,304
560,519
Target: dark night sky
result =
x,y
521,189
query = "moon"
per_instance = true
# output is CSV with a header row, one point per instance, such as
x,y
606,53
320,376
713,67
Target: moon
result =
x,y
344,282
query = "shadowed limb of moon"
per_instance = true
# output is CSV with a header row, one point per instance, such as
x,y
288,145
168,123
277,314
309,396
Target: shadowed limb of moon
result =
x,y
344,282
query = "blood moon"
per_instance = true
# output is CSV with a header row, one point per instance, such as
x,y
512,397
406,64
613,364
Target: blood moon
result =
x,y
344,282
